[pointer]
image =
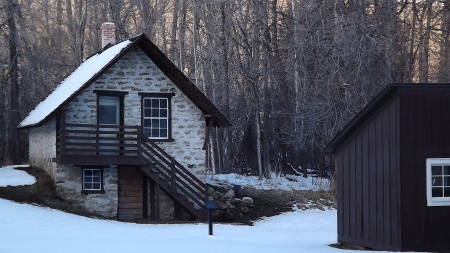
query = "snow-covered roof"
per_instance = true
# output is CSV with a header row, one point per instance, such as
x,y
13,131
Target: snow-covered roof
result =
x,y
95,66
74,82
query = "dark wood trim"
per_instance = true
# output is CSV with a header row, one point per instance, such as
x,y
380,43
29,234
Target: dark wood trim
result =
x,y
177,210
96,159
121,104
369,244
163,140
118,192
145,196
115,93
154,200
152,186
91,166
92,191
210,122
157,94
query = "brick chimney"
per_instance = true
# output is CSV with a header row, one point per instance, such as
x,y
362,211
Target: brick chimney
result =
x,y
108,34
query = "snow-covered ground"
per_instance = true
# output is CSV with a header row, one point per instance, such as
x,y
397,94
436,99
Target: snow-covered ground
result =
x,y
288,182
28,228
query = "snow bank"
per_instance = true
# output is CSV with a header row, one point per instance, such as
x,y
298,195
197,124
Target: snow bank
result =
x,y
11,177
288,182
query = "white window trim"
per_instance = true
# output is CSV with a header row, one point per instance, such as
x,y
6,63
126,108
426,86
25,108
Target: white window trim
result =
x,y
101,180
167,118
435,201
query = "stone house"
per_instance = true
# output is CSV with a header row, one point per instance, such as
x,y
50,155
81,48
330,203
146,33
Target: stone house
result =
x,y
125,134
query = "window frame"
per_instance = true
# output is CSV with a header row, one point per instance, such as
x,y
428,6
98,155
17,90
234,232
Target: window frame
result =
x,y
436,201
112,93
87,191
167,96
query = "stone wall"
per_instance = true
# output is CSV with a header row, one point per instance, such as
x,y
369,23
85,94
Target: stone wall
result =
x,y
42,147
229,206
67,179
68,185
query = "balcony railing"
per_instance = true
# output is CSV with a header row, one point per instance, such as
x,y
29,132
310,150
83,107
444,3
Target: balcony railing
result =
x,y
102,144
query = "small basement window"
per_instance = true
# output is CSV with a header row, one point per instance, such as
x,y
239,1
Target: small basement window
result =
x,y
92,180
438,181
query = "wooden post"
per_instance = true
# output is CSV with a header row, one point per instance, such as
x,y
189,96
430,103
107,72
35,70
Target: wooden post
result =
x,y
206,199
172,175
138,143
208,132
145,196
177,210
62,135
154,200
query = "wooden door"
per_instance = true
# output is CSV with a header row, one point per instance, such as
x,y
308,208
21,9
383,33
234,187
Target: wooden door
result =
x,y
131,194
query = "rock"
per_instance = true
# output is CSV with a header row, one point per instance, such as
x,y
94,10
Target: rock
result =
x,y
210,191
302,206
221,206
236,201
229,205
247,201
244,209
230,194
216,196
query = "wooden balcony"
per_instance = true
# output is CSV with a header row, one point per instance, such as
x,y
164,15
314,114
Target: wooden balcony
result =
x,y
84,144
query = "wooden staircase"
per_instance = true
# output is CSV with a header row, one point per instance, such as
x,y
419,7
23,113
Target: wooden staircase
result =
x,y
184,187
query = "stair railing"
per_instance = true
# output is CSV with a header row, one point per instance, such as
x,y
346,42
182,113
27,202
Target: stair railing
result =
x,y
180,180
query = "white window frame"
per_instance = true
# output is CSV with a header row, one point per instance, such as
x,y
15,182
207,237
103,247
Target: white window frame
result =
x,y
100,189
436,201
158,118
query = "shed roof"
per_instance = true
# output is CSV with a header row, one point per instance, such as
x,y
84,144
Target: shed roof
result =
x,y
371,107
93,67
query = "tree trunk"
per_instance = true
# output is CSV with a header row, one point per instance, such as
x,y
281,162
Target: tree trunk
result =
x,y
173,37
226,132
444,76
14,118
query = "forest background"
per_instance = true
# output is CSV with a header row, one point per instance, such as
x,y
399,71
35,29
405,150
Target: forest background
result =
x,y
289,74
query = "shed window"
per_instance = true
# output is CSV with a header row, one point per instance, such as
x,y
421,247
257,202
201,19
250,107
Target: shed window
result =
x,y
438,182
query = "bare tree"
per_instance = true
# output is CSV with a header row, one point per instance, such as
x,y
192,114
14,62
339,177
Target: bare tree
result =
x,y
13,139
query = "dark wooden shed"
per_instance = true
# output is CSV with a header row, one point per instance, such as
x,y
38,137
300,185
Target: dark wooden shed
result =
x,y
393,171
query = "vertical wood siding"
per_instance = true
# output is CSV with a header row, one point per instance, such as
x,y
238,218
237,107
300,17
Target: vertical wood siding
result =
x,y
425,124
368,182
130,194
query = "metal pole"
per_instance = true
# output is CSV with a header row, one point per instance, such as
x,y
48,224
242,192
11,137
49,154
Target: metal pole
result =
x,y
210,221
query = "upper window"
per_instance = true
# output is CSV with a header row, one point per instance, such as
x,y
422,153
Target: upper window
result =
x,y
92,180
438,181
156,116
